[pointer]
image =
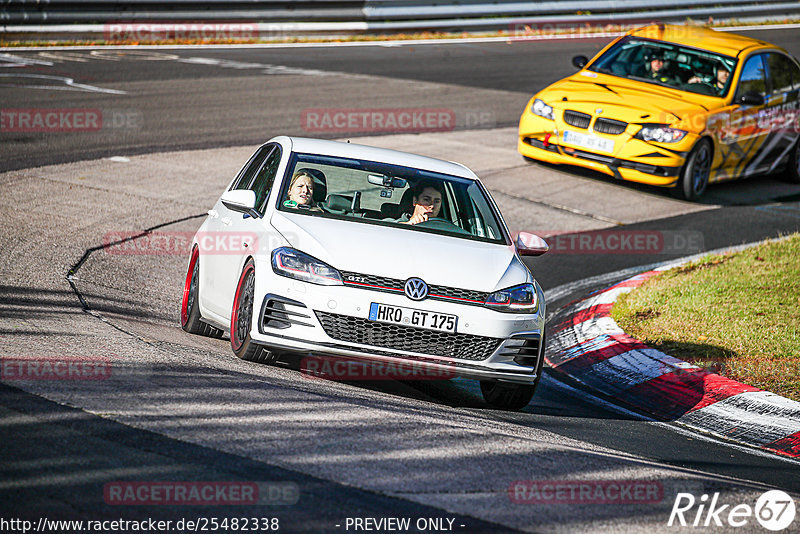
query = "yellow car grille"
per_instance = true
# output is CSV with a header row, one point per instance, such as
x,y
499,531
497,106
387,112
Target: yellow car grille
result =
x,y
601,125
577,119
609,126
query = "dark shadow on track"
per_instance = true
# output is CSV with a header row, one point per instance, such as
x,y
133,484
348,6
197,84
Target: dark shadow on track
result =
x,y
61,459
754,191
19,302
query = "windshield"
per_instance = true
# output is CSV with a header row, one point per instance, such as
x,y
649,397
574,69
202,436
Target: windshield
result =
x,y
379,193
667,64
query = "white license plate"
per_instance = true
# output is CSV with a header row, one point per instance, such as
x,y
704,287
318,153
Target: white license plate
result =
x,y
383,313
589,141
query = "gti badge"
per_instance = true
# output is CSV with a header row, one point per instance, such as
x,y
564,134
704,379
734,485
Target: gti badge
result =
x,y
416,289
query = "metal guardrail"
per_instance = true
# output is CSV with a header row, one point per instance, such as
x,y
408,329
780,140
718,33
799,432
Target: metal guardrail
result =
x,y
667,13
80,19
103,11
416,9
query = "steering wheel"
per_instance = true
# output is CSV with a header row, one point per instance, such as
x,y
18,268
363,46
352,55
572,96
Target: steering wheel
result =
x,y
437,223
702,87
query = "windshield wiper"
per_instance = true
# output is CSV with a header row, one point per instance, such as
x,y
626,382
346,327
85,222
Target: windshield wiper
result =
x,y
607,88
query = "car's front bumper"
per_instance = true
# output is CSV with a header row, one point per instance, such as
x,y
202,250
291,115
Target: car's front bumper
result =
x,y
632,159
317,320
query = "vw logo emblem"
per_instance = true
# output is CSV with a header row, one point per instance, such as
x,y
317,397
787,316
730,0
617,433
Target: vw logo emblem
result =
x,y
416,289
599,111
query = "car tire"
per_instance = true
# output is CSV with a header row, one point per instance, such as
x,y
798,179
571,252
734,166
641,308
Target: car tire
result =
x,y
506,396
696,170
242,318
512,397
191,320
792,172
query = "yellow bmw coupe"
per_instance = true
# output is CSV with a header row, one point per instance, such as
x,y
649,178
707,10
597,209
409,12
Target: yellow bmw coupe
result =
x,y
674,106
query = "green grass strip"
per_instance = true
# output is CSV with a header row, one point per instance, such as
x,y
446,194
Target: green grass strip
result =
x,y
735,314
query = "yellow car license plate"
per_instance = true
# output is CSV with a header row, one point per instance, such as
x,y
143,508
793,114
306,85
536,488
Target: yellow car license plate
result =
x,y
589,142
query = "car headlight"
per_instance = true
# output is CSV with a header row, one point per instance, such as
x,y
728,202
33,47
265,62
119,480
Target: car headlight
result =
x,y
518,299
660,133
543,110
295,264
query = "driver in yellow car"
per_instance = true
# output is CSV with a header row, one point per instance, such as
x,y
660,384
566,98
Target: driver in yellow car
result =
x,y
654,65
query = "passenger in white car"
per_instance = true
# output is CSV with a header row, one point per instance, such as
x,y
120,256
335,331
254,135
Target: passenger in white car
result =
x,y
301,191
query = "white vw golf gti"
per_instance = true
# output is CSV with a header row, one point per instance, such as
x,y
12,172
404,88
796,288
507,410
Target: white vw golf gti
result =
x,y
343,250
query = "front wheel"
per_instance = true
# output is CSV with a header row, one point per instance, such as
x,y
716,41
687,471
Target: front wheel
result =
x,y
792,172
695,173
242,318
506,396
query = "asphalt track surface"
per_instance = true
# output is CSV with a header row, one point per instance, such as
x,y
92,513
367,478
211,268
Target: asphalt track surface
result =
x,y
180,407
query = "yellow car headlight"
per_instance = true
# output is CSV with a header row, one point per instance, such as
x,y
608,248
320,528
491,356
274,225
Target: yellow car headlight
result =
x,y
660,133
541,109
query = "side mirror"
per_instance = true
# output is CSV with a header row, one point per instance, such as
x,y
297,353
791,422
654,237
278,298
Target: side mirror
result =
x,y
750,99
241,200
580,61
529,244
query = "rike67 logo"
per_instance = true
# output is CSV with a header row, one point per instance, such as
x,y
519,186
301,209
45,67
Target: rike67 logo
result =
x,y
774,510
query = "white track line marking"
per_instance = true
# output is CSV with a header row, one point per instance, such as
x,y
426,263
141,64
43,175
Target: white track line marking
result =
x,y
69,84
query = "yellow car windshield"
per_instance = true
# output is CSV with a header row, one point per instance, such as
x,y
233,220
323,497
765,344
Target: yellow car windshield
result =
x,y
667,64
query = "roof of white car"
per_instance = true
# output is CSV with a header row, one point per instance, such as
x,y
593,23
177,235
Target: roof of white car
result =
x,y
371,153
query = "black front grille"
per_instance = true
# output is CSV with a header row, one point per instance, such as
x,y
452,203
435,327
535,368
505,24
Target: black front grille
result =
x,y
374,282
615,163
450,293
538,143
407,338
577,119
393,285
609,126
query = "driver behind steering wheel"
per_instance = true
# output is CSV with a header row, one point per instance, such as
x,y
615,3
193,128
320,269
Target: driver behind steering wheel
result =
x,y
426,203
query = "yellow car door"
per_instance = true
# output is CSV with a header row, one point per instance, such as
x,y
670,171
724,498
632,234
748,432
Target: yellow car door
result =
x,y
745,136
